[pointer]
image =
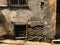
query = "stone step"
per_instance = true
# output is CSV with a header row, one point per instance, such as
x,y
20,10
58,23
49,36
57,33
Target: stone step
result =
x,y
22,42
12,42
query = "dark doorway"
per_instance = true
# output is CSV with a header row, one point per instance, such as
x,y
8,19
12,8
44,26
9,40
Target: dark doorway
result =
x,y
58,20
20,31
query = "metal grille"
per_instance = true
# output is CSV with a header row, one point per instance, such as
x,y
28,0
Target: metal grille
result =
x,y
17,2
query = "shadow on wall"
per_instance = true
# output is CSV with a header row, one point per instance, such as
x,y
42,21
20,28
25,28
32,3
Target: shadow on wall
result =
x,y
58,20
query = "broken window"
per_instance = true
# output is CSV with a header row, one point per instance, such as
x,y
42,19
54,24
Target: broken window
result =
x,y
17,2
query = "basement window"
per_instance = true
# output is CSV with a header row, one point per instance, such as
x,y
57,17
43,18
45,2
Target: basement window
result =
x,y
17,3
20,31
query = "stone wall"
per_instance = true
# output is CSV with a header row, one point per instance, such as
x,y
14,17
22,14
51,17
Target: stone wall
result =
x,y
3,2
45,14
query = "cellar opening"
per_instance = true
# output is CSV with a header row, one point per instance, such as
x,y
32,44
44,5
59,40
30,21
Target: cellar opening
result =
x,y
20,31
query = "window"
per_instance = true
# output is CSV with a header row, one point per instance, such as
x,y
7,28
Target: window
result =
x,y
17,2
20,31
